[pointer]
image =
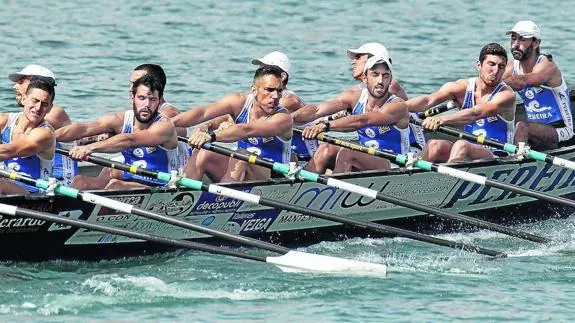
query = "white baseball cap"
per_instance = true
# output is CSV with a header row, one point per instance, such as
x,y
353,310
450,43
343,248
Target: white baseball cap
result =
x,y
375,49
526,29
278,59
374,60
33,70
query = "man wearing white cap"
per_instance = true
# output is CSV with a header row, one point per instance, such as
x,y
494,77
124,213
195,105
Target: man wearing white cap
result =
x,y
380,118
262,126
539,82
487,108
303,149
64,167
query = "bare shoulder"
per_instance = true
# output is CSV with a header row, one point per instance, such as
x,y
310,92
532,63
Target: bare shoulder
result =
x,y
292,102
58,117
170,111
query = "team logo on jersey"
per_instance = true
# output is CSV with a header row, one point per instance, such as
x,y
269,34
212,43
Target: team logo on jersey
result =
x,y
529,94
383,129
268,139
492,119
370,133
480,122
138,152
150,150
14,166
140,163
253,140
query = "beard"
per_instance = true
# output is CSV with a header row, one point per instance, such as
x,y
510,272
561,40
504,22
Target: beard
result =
x,y
146,120
381,90
520,55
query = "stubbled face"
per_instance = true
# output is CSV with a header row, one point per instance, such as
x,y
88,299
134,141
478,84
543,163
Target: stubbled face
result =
x,y
358,62
145,104
377,80
133,77
492,69
37,103
522,48
267,91
20,89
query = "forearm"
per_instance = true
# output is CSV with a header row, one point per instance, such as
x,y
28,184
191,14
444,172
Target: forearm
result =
x,y
419,104
73,132
9,151
349,123
306,114
114,144
190,118
462,117
517,82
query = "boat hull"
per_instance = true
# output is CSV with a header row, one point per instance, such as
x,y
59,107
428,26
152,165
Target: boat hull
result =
x,y
34,240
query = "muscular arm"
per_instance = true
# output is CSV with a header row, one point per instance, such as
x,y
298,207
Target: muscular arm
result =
x,y
498,104
393,112
202,113
396,89
75,131
448,91
38,141
58,117
280,124
158,134
292,103
344,100
542,73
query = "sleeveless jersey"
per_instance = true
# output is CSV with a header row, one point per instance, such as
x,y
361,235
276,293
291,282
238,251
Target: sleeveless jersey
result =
x,y
546,104
494,127
153,158
65,168
416,136
388,137
274,148
302,148
33,166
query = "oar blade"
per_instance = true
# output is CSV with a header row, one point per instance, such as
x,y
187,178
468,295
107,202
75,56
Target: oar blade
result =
x,y
296,261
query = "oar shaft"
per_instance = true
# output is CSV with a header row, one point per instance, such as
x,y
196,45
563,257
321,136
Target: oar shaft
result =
x,y
445,106
17,211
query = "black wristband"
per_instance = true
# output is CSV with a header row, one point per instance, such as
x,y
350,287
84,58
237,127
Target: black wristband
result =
x,y
212,136
327,126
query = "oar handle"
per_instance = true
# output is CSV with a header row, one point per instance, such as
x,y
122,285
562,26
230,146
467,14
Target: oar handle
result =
x,y
510,148
445,106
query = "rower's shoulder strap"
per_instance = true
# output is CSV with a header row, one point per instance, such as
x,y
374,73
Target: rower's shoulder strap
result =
x,y
7,130
359,106
128,125
243,116
469,99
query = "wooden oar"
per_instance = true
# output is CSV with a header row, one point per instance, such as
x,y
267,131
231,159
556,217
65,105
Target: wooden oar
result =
x,y
296,260
346,186
510,148
286,262
446,170
256,199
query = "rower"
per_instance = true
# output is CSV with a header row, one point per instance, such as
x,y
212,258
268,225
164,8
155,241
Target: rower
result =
x,y
262,126
302,149
65,168
28,140
145,138
380,118
487,108
326,154
541,86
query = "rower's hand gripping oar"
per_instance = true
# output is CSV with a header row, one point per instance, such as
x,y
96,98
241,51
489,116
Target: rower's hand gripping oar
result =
x,y
507,147
445,106
446,170
289,261
346,186
256,199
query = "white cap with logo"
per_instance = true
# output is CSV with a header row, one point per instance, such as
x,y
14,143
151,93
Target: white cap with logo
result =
x,y
375,49
278,59
526,29
374,60
33,70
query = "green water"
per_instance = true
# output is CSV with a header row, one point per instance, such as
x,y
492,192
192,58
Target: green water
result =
x,y
206,48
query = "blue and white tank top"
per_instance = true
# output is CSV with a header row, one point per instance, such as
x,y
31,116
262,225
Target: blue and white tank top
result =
x,y
416,136
65,168
302,148
154,158
493,127
34,166
545,104
387,137
275,148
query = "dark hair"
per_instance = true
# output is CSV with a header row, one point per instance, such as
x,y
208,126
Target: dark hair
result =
x,y
149,81
44,79
42,85
492,49
156,70
268,70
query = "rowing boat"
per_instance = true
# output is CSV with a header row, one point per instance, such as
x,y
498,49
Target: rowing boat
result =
x,y
35,240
